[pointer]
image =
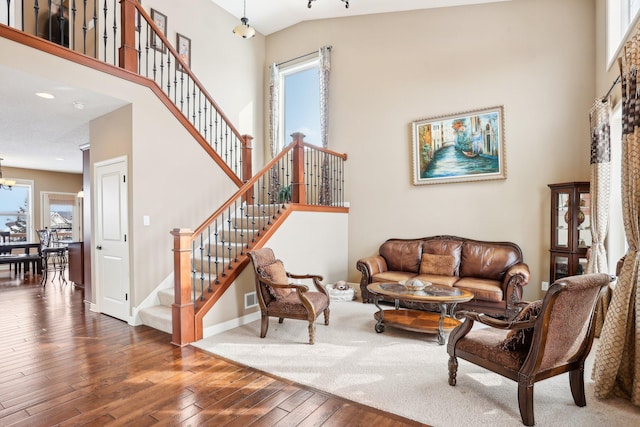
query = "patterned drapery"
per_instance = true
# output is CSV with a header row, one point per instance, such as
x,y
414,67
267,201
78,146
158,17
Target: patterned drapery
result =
x,y
274,119
616,369
600,189
325,70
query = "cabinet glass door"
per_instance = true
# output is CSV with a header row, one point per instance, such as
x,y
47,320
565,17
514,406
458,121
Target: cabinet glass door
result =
x,y
563,219
584,220
560,266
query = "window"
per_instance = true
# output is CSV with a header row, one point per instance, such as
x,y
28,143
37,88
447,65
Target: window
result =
x,y
300,102
16,213
621,17
60,212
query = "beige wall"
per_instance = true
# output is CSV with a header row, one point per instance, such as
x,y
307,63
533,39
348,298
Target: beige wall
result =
x,y
150,136
391,69
44,181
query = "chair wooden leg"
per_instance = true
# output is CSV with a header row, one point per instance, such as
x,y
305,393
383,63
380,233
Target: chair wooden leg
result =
x,y
264,326
525,401
312,333
326,316
453,370
576,380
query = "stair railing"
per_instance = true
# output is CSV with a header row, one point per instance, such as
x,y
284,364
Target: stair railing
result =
x,y
127,37
208,259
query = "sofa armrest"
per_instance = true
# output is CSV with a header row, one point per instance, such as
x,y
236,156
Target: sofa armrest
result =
x,y
515,278
368,267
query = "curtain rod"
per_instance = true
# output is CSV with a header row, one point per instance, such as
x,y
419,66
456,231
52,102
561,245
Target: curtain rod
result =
x,y
613,85
300,57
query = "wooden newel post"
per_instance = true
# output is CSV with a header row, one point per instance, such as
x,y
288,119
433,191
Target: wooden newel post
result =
x,y
182,309
247,166
247,163
299,193
127,54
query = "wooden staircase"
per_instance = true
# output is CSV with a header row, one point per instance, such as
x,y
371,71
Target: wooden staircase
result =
x,y
223,249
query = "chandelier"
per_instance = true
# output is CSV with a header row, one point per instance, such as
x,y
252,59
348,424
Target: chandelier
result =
x,y
5,184
244,30
346,3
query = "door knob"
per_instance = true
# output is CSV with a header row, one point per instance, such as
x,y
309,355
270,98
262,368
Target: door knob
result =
x,y
99,247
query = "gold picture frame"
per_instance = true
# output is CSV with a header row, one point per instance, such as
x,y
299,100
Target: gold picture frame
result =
x,y
461,147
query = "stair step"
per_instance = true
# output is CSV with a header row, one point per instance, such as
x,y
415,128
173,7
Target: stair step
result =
x,y
157,317
167,296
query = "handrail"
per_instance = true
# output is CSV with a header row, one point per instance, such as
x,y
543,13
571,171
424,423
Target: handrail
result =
x,y
243,189
208,259
146,51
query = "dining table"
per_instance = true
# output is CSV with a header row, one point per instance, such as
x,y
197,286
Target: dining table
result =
x,y
26,258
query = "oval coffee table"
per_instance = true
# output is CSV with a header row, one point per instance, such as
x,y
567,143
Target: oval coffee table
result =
x,y
446,297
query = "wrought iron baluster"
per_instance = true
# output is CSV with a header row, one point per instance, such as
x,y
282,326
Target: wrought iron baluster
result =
x,y
209,289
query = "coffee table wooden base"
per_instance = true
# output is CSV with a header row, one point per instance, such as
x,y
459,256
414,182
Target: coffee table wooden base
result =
x,y
416,321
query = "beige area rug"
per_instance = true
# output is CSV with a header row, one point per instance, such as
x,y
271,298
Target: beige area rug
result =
x,y
405,373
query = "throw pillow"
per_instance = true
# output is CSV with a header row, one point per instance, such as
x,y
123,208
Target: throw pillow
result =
x,y
277,274
520,339
439,265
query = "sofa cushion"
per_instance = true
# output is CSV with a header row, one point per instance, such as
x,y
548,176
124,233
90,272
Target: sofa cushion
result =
x,y
488,260
439,265
438,280
402,255
444,246
482,289
392,276
276,273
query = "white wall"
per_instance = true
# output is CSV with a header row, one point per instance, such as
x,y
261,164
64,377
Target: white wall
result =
x,y
391,69
305,246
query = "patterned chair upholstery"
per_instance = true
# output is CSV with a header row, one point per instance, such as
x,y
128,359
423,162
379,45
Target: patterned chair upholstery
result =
x,y
279,298
547,338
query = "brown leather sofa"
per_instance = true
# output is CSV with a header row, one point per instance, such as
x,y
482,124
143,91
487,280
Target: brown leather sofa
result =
x,y
492,271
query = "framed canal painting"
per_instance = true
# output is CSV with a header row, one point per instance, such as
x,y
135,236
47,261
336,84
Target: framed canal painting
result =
x,y
459,147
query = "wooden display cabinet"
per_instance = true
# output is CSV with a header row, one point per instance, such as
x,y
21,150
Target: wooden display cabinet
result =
x,y
570,229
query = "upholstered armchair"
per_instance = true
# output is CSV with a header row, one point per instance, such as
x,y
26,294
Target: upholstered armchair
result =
x,y
279,298
548,338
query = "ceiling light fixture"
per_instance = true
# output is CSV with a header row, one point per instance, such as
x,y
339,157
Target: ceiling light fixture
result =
x,y
244,30
5,184
346,3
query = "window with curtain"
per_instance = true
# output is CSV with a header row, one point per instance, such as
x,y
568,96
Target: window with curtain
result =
x,y
621,15
299,102
16,211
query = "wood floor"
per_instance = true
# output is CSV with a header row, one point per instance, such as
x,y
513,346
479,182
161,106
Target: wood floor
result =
x,y
61,364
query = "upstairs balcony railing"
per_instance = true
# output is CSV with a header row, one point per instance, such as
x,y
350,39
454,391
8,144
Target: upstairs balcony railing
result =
x,y
121,33
208,259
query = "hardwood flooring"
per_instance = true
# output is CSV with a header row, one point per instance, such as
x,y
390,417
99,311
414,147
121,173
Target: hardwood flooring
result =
x,y
63,365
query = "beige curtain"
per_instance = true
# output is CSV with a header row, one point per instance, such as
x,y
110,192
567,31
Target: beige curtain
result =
x,y
600,189
617,365
325,71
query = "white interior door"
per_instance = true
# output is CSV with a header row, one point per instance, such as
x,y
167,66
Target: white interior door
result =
x,y
111,243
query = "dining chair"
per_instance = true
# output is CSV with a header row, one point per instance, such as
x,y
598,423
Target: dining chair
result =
x,y
53,255
5,237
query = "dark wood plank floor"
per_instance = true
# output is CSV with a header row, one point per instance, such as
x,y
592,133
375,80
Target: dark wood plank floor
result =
x,y
61,364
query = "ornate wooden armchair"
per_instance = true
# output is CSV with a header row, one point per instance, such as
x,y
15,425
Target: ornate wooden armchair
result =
x,y
548,338
279,298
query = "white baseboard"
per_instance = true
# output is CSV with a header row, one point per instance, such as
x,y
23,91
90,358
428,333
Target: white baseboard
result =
x,y
230,324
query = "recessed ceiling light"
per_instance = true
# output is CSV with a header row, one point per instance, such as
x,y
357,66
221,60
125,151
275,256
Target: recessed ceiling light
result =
x,y
59,158
45,95
78,105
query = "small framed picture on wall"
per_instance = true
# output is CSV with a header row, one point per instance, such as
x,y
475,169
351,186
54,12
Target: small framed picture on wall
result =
x,y
183,46
161,22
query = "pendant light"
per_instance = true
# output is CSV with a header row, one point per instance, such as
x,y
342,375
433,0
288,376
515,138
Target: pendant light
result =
x,y
244,30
